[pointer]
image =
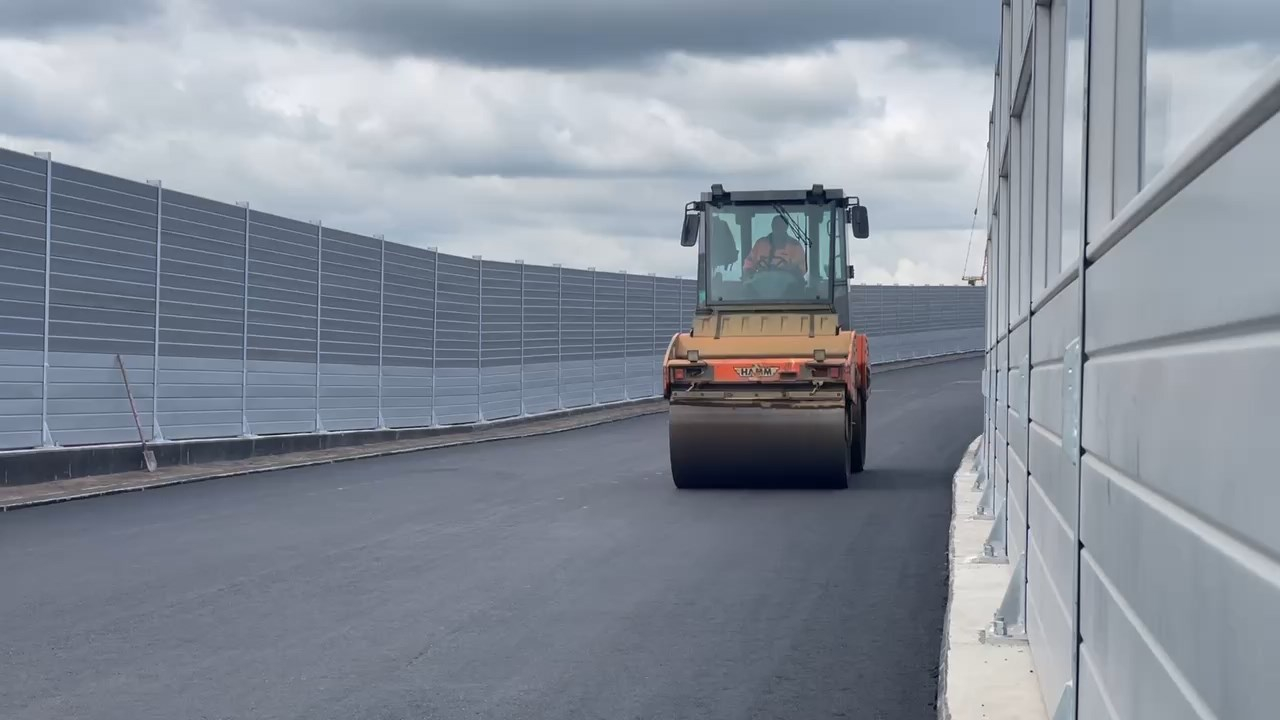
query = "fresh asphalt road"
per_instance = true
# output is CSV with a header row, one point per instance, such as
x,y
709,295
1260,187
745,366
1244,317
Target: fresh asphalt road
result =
x,y
552,577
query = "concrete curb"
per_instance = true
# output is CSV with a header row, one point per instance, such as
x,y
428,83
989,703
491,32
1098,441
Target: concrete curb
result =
x,y
977,679
605,414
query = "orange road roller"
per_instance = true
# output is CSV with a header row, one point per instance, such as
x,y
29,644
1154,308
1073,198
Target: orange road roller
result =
x,y
769,386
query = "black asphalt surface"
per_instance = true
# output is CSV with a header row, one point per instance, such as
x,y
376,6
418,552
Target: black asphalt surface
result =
x,y
553,577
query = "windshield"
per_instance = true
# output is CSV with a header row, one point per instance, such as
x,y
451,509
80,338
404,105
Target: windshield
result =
x,y
771,252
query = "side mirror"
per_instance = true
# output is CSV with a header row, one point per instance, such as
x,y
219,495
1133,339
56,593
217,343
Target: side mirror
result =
x,y
689,235
858,219
851,272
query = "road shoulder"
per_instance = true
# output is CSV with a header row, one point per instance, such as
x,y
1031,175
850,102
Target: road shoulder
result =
x,y
14,497
980,678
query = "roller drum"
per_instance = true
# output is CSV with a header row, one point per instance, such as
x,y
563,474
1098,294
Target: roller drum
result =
x,y
751,446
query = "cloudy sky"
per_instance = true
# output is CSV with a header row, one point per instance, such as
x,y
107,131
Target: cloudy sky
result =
x,y
565,131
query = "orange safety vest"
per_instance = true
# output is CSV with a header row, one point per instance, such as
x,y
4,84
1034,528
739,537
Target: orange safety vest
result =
x,y
790,250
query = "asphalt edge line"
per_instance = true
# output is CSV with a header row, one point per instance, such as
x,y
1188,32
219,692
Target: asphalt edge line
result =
x,y
641,411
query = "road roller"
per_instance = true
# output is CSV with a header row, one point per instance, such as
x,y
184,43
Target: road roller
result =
x,y
769,386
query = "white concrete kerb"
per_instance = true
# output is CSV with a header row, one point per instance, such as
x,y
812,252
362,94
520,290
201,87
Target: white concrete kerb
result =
x,y
979,680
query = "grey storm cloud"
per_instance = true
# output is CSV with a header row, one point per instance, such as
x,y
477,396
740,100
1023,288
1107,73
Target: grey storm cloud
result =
x,y
26,18
1208,24
570,34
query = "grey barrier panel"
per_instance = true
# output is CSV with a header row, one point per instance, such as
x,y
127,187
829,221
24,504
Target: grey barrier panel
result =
x,y
639,326
1180,548
23,184
282,337
500,355
610,338
904,321
577,332
668,320
1051,493
233,321
350,337
408,335
689,302
201,318
457,398
540,339
102,302
1133,405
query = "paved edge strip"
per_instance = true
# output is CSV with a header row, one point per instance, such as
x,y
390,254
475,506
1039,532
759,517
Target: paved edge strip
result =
x,y
524,430
978,679
524,427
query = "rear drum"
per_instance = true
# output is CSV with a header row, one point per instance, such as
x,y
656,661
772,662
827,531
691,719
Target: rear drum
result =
x,y
755,447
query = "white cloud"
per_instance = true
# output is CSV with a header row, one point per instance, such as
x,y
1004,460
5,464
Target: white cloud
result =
x,y
583,167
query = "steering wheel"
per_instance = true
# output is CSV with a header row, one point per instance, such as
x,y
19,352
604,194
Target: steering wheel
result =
x,y
773,284
774,263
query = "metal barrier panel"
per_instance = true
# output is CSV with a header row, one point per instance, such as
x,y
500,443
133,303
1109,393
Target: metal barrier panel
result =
x,y
1051,494
904,322
1178,492
668,319
540,339
1132,412
640,312
408,336
235,322
500,353
350,330
458,327
610,337
23,207
201,317
102,303
282,332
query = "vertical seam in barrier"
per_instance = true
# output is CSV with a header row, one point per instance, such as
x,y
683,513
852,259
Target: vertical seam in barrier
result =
x,y
156,433
522,302
479,338
626,338
47,436
435,332
559,337
382,311
319,302
1079,400
594,308
244,335
653,336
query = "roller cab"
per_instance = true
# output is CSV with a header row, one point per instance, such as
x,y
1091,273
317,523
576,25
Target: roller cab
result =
x,y
769,386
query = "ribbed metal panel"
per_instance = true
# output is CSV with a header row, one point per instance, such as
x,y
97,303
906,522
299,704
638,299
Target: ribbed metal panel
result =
x,y
232,321
350,306
639,325
457,398
610,336
22,290
540,334
284,269
202,251
408,330
500,356
102,295
578,331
